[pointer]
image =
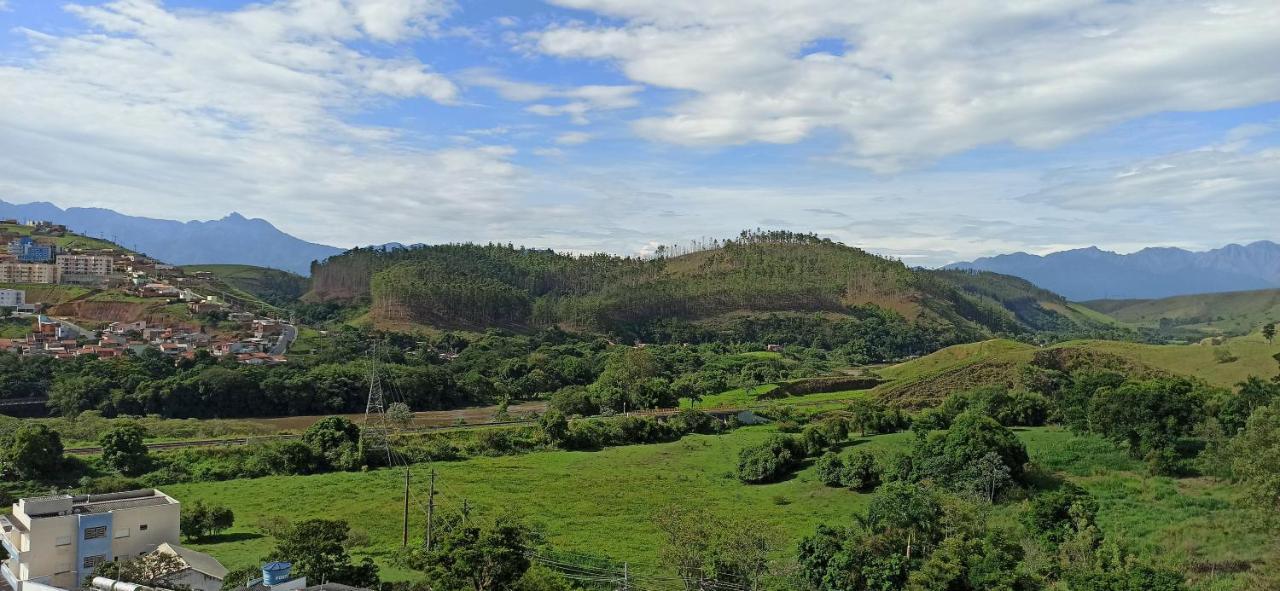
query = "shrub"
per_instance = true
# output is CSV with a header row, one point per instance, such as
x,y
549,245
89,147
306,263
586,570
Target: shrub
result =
x,y
815,440
830,469
554,426
771,460
954,457
788,427
861,473
695,421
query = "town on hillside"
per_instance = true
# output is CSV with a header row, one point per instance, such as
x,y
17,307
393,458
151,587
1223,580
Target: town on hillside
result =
x,y
41,252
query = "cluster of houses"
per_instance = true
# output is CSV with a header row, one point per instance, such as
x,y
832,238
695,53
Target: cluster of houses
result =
x,y
57,339
33,256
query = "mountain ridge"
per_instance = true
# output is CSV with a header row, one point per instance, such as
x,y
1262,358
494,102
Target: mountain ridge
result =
x,y
1151,273
233,239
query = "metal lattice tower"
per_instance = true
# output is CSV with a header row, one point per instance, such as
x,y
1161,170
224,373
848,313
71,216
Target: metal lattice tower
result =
x,y
375,437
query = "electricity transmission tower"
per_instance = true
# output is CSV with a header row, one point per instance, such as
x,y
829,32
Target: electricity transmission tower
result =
x,y
375,437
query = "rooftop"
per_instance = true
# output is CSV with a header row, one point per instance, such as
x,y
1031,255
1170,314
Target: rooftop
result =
x,y
60,505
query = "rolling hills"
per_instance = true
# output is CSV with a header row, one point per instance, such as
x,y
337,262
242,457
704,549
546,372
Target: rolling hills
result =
x,y
928,380
1232,313
759,273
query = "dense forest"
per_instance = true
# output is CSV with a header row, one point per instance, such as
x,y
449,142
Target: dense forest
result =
x,y
480,286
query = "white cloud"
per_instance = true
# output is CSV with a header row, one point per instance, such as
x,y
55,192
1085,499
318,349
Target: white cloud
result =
x,y
196,113
573,138
578,101
914,81
1219,182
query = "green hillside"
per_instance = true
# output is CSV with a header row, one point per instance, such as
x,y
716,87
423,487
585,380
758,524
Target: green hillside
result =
x,y
760,273
270,286
69,241
1232,313
929,379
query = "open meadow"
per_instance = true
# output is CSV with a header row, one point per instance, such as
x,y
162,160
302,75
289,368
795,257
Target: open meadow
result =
x,y
600,503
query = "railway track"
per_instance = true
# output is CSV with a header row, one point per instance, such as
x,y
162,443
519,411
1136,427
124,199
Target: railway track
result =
x,y
237,441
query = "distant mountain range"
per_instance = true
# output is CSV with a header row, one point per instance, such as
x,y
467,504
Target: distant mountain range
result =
x,y
232,239
1092,274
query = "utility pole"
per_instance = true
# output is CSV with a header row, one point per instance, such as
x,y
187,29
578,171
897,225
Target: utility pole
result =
x,y
404,538
431,507
626,578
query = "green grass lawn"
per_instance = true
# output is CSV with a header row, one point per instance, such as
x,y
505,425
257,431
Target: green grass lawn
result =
x,y
602,503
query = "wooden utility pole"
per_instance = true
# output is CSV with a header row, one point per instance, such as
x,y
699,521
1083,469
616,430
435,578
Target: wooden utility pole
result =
x,y
431,507
404,538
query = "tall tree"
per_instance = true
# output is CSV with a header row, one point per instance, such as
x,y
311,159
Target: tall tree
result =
x,y
33,452
124,451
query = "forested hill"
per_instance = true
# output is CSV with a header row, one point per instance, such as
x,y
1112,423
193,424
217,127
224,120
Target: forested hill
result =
x,y
475,286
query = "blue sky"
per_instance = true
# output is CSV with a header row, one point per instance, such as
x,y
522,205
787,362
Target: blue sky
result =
x,y
618,125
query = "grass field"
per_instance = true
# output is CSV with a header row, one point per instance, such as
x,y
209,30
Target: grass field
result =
x,y
601,503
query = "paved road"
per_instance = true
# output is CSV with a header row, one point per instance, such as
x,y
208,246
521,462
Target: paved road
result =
x,y
288,334
67,322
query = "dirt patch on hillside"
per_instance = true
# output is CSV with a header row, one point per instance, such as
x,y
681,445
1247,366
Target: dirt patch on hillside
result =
x,y
110,311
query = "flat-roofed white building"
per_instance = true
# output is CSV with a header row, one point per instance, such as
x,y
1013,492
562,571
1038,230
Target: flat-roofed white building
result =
x,y
16,299
56,541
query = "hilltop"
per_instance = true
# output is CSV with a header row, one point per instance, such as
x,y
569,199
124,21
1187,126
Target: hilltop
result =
x,y
928,380
759,273
1092,273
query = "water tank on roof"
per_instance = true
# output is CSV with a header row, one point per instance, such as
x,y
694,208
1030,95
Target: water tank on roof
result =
x,y
274,573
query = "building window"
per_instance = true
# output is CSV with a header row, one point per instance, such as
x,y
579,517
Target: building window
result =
x,y
94,533
142,527
92,561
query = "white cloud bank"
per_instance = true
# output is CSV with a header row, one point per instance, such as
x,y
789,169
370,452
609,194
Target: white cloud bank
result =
x,y
908,82
184,113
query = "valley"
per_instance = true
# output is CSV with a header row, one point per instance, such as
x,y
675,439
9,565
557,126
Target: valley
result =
x,y
585,397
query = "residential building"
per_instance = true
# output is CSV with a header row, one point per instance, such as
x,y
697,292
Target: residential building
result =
x,y
27,250
84,268
19,272
200,572
16,299
56,541
267,328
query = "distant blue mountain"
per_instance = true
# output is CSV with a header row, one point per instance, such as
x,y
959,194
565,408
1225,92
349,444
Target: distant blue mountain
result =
x,y
232,239
1090,273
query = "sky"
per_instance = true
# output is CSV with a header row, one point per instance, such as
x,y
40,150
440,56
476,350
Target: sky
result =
x,y
928,131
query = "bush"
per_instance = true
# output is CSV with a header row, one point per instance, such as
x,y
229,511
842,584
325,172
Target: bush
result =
x,y
786,426
814,439
200,519
554,426
830,469
695,421
861,472
771,460
955,456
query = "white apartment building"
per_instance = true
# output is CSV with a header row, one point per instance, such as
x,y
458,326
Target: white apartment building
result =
x,y
84,268
12,272
56,541
16,299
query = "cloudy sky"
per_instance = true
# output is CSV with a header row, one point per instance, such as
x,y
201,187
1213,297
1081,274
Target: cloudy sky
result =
x,y
933,131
